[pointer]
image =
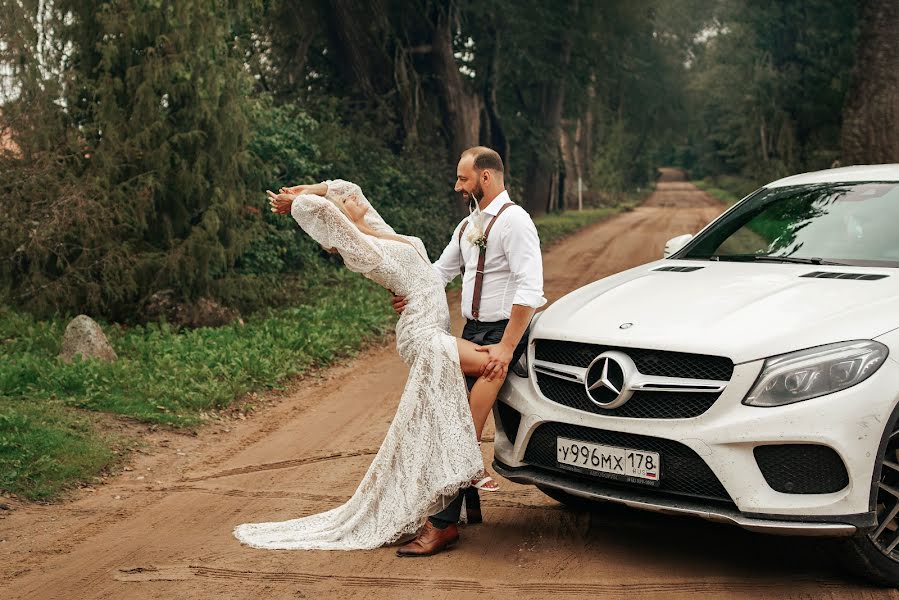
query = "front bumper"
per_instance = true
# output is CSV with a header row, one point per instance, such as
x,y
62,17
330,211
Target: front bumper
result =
x,y
844,525
850,422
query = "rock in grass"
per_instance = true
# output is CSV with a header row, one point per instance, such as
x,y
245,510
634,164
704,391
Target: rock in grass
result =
x,y
83,336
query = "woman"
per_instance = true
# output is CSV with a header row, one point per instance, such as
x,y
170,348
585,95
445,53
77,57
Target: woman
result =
x,y
403,485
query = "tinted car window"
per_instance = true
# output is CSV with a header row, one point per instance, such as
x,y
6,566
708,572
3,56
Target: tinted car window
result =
x,y
853,223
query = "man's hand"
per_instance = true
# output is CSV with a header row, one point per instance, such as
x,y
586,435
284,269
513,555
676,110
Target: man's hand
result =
x,y
279,203
399,304
500,356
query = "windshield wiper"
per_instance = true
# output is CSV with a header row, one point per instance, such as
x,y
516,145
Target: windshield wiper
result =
x,y
780,259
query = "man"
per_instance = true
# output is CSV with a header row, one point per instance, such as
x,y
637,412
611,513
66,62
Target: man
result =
x,y
498,305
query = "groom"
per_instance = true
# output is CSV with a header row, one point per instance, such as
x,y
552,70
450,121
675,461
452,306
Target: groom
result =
x,y
502,286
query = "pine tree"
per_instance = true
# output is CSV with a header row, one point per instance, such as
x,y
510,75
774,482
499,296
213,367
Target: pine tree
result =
x,y
159,98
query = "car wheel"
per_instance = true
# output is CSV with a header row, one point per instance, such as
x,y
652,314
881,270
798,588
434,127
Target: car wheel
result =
x,y
875,554
570,500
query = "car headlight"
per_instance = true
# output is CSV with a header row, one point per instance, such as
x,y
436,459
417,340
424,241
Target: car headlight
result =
x,y
806,374
520,368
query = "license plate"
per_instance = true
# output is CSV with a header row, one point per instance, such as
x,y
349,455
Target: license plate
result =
x,y
610,461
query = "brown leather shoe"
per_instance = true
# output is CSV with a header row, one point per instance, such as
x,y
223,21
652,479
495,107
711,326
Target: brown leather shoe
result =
x,y
430,541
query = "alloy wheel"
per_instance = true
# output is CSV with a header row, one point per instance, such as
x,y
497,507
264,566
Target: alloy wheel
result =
x,y
886,535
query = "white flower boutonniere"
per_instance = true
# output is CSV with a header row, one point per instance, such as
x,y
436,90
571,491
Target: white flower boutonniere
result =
x,y
475,233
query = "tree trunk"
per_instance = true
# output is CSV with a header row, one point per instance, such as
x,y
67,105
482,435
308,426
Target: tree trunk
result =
x,y
493,133
359,45
871,111
588,134
571,145
462,107
538,187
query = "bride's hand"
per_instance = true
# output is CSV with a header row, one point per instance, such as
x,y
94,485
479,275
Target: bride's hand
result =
x,y
279,203
294,190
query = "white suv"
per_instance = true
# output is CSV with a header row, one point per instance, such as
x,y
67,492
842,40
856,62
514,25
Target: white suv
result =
x,y
750,377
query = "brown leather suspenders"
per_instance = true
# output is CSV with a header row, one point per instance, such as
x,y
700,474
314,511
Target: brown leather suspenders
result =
x,y
482,256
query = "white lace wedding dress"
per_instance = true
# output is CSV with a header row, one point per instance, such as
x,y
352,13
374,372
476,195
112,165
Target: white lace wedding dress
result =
x,y
430,451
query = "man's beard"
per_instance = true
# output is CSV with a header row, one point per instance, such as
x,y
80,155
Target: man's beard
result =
x,y
474,197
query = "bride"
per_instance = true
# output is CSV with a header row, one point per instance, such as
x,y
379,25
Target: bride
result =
x,y
431,449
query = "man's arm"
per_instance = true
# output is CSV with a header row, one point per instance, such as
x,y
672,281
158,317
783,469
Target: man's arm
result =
x,y
522,247
447,267
501,353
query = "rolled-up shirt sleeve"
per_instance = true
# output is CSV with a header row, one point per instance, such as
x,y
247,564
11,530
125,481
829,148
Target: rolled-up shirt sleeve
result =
x,y
450,262
522,246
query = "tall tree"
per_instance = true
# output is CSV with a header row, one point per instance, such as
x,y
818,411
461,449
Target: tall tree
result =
x,y
155,101
871,113
767,84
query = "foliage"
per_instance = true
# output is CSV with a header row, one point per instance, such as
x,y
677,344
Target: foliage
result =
x,y
727,188
767,84
164,376
150,131
143,163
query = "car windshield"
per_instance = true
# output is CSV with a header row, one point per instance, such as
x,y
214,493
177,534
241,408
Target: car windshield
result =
x,y
836,223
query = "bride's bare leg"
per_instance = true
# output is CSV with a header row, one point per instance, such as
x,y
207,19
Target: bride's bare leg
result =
x,y
483,393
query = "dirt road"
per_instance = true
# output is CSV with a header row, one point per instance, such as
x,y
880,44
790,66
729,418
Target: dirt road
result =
x,y
163,528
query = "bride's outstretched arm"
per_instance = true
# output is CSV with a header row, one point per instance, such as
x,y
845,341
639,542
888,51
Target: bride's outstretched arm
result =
x,y
327,225
318,189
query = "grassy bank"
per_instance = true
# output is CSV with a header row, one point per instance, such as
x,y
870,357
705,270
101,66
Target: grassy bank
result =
x,y
555,226
727,188
48,440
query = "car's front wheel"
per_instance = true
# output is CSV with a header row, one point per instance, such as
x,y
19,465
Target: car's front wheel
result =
x,y
875,554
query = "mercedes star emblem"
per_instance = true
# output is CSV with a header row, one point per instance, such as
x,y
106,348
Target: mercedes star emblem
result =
x,y
607,377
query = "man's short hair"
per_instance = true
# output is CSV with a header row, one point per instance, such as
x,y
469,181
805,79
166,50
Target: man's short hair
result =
x,y
485,158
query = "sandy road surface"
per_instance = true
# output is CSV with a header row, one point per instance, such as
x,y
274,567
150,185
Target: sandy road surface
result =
x,y
163,529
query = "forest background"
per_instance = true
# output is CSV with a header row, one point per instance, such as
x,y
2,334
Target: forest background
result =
x,y
137,138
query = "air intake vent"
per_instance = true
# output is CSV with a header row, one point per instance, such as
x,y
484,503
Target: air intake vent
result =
x,y
802,468
679,269
832,275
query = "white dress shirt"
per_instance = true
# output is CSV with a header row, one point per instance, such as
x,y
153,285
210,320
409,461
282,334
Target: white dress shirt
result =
x,y
513,267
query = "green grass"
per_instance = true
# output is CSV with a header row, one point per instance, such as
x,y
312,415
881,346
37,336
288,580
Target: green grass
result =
x,y
45,447
727,188
48,442
163,376
554,226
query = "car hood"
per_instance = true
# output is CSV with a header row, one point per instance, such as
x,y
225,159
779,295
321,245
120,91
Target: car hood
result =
x,y
744,311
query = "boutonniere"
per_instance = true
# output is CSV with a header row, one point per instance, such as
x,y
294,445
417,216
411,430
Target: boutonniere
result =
x,y
479,241
475,233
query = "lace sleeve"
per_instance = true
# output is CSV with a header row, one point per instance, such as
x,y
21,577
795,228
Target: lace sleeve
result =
x,y
420,246
339,189
332,229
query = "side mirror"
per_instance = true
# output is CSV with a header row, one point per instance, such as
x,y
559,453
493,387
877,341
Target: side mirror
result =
x,y
675,244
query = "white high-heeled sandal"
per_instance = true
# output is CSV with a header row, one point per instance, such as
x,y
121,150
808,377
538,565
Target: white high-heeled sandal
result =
x,y
483,481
